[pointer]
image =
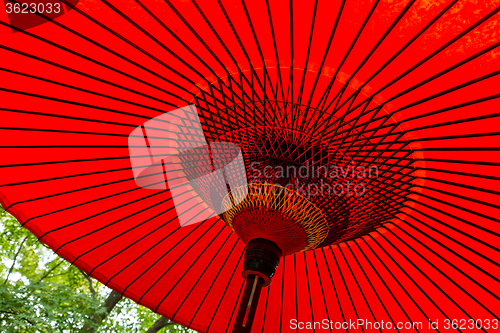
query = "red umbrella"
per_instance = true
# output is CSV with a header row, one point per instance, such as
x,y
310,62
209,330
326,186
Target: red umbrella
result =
x,y
397,101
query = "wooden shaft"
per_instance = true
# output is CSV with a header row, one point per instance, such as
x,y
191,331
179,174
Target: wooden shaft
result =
x,y
248,305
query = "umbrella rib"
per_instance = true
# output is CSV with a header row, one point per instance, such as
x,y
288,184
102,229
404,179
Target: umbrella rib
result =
x,y
307,286
122,38
235,305
453,40
65,177
80,204
346,288
205,45
457,106
124,232
457,218
468,174
454,252
333,284
279,78
105,226
76,104
136,242
350,110
266,73
457,230
156,59
214,121
346,55
445,71
341,118
449,69
470,223
491,218
381,280
243,49
265,309
396,279
282,291
161,121
143,272
146,9
145,252
230,79
374,240
408,44
292,55
86,160
90,187
124,16
309,45
372,51
438,138
426,99
199,278
358,285
446,109
190,266
101,63
370,283
84,74
451,215
322,289
352,127
81,89
451,194
330,39
67,192
211,284
296,289
442,273
238,264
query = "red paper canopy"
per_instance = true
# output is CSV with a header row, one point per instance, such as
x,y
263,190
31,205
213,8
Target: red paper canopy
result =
x,y
410,87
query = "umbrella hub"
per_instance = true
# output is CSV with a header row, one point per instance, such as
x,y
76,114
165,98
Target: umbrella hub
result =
x,y
262,258
280,215
297,189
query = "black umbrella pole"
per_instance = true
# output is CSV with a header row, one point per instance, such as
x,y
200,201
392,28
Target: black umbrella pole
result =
x,y
262,257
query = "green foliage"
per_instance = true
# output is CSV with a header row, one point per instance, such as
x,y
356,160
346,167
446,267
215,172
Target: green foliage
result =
x,y
41,292
130,317
44,307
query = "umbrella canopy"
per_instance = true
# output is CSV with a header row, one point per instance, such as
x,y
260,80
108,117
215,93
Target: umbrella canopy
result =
x,y
401,96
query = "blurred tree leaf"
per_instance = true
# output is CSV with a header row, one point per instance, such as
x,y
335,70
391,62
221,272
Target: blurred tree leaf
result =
x,y
44,293
44,307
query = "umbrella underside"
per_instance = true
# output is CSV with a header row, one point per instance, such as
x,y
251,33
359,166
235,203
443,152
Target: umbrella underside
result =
x,y
398,98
